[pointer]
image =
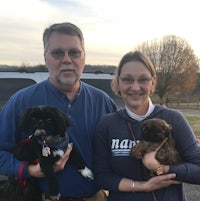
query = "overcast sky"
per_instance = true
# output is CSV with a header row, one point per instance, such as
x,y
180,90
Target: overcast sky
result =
x,y
110,27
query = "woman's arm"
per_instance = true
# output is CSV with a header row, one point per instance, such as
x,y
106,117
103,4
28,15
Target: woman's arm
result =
x,y
155,183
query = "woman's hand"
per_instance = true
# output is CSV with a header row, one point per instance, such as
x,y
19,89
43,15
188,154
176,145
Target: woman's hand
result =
x,y
155,183
151,163
159,182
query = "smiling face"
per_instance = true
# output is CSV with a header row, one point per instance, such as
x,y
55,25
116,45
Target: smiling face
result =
x,y
135,85
65,72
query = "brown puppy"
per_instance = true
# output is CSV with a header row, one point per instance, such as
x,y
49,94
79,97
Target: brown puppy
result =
x,y
157,136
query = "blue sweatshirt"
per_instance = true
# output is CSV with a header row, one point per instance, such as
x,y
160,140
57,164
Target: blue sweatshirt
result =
x,y
113,142
84,112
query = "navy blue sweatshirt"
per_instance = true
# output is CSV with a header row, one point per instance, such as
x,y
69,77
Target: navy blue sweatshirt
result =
x,y
113,142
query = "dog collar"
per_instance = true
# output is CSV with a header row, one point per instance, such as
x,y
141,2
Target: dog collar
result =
x,y
58,145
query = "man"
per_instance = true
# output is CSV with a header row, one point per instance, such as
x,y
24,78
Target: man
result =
x,y
64,56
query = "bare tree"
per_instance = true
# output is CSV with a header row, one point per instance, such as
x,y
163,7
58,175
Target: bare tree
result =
x,y
175,62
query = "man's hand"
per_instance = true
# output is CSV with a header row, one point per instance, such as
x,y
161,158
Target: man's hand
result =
x,y
60,164
35,170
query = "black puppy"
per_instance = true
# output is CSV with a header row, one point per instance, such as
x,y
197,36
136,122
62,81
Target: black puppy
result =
x,y
47,142
157,136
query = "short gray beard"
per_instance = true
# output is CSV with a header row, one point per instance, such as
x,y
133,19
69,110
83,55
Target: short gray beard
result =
x,y
68,85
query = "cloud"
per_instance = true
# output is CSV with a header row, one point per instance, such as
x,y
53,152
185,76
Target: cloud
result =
x,y
111,28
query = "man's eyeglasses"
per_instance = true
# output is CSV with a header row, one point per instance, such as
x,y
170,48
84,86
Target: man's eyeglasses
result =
x,y
59,54
130,80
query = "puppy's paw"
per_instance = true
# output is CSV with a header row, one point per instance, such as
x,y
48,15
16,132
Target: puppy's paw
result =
x,y
70,144
56,197
58,152
87,173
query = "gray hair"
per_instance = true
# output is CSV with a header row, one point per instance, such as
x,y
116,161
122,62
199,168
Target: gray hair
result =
x,y
63,28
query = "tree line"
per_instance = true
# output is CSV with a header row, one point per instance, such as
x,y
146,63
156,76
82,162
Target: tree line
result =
x,y
176,64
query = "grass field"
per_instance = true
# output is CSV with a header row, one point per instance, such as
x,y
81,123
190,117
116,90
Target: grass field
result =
x,y
193,191
194,121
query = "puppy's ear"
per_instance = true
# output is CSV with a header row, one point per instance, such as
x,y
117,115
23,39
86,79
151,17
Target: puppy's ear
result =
x,y
170,127
167,128
25,120
62,120
65,120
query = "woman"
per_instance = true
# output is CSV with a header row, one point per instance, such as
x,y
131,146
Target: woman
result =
x,y
119,173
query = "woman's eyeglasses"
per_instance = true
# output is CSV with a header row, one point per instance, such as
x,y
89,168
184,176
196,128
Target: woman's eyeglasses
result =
x,y
59,54
130,80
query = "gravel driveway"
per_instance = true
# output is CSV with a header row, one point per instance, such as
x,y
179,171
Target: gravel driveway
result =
x,y
192,192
